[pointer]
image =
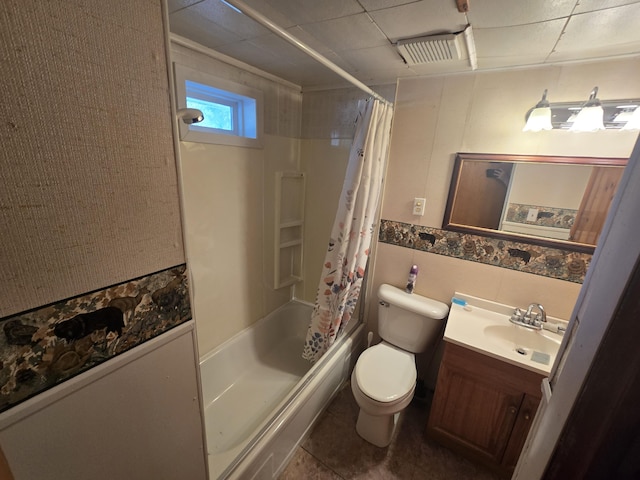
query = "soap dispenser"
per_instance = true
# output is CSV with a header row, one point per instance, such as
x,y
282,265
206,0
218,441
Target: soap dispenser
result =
x,y
411,281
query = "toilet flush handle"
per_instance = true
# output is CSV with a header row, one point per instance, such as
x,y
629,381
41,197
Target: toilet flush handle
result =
x,y
383,303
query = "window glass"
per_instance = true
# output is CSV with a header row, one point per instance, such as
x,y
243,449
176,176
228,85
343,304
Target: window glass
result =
x,y
232,112
216,115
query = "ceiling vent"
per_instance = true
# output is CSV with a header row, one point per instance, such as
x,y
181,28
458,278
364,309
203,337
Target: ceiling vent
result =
x,y
432,48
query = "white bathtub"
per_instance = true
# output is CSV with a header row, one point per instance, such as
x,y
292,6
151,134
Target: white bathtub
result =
x,y
261,398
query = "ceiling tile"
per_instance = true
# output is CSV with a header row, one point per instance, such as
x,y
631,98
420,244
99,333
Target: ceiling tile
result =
x,y
371,5
346,33
534,39
307,11
280,48
502,13
276,16
385,76
593,5
336,59
512,61
420,18
308,39
246,51
175,5
190,24
307,72
601,30
222,15
312,74
594,52
505,35
442,67
376,58
275,55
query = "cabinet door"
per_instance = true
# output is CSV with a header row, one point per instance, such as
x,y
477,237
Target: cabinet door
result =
x,y
475,414
520,431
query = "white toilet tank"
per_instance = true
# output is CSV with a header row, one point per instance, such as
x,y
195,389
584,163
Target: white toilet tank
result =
x,y
407,320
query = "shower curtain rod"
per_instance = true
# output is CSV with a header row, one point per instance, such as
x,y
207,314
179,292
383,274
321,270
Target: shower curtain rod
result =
x,y
260,18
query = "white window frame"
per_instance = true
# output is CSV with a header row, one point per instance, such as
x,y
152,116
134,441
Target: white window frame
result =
x,y
227,93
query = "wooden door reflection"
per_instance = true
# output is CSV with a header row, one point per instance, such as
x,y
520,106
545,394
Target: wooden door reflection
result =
x,y
595,204
481,194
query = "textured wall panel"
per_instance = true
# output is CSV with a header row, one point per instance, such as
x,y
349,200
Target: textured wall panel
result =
x,y
88,193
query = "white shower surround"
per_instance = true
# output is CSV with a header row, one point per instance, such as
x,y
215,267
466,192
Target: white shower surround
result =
x,y
261,398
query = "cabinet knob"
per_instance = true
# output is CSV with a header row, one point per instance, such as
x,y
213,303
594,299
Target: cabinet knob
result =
x,y
513,410
527,416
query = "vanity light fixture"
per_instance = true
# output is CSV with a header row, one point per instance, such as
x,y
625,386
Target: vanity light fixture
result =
x,y
590,116
632,119
539,117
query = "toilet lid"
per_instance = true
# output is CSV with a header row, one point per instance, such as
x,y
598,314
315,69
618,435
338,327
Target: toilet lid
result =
x,y
385,373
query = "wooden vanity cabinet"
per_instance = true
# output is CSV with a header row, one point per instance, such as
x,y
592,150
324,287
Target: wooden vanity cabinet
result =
x,y
483,407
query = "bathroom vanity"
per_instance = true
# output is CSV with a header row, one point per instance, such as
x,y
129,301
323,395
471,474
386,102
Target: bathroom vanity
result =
x,y
483,407
488,387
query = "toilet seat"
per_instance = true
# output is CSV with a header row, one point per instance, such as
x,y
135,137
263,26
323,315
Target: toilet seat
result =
x,y
385,373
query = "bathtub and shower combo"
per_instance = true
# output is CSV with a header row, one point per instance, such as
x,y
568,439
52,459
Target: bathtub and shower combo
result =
x,y
260,396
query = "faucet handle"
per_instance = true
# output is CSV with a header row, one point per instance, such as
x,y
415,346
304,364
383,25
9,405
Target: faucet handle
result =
x,y
517,314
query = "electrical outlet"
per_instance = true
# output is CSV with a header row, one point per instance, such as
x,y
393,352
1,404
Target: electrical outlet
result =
x,y
418,206
532,216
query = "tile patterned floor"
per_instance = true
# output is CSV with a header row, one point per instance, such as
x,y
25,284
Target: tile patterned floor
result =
x,y
334,451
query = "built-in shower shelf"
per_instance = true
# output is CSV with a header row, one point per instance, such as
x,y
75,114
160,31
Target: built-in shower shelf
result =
x,y
295,223
292,243
289,228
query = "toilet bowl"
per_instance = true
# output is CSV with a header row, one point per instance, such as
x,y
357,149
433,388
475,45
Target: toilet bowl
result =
x,y
383,380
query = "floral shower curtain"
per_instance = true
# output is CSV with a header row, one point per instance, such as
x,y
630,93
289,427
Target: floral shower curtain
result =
x,y
348,250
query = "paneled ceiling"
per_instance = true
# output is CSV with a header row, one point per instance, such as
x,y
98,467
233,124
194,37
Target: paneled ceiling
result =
x,y
360,35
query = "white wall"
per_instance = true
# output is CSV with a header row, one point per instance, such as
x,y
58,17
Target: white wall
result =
x,y
325,165
228,195
559,186
436,117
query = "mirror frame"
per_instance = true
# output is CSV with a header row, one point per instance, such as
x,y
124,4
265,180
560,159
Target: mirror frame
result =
x,y
518,237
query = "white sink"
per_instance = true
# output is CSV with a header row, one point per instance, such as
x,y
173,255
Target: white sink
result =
x,y
484,326
513,337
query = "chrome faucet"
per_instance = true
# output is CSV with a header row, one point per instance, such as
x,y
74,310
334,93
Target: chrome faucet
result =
x,y
540,317
529,319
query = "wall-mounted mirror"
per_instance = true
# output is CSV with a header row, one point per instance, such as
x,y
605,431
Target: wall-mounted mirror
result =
x,y
559,202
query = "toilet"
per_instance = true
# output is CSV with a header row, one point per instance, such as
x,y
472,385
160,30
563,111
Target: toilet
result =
x,y
384,378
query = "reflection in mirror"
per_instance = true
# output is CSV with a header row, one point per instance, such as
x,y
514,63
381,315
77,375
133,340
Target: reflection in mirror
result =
x,y
558,202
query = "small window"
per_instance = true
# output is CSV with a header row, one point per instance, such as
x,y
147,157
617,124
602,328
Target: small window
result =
x,y
232,112
218,114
